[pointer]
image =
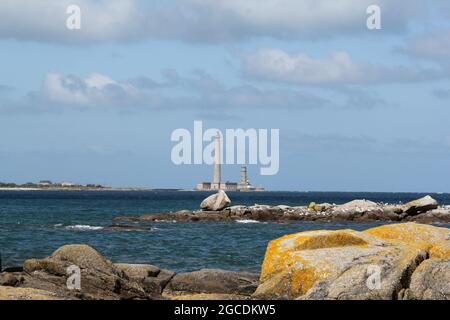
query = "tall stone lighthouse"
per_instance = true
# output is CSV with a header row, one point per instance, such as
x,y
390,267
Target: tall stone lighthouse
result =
x,y
216,185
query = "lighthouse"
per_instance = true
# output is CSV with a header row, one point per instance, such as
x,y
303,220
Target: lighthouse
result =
x,y
216,185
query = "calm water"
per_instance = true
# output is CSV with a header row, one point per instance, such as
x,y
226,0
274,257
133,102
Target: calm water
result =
x,y
35,223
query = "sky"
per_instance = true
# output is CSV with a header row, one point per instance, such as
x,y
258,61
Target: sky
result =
x,y
357,109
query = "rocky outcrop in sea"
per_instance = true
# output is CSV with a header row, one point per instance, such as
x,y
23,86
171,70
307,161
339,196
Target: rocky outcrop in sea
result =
x,y
216,208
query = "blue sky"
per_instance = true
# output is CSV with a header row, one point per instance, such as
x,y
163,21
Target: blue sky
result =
x,y
357,109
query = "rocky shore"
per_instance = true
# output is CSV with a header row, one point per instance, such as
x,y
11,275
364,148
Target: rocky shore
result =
x,y
217,208
406,261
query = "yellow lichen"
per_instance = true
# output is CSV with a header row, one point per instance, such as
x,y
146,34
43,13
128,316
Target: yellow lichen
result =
x,y
410,233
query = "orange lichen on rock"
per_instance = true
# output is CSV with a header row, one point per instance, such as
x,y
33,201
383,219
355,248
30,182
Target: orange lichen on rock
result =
x,y
290,271
410,233
435,239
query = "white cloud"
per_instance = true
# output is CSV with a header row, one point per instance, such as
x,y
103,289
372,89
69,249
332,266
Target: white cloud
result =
x,y
198,20
94,90
199,92
338,67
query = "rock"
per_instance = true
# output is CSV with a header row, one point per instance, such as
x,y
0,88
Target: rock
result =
x,y
294,264
409,233
432,238
364,210
9,279
421,205
358,210
10,293
100,279
212,281
358,206
394,208
151,278
216,202
238,210
320,207
436,215
430,281
84,257
338,264
162,279
311,205
138,271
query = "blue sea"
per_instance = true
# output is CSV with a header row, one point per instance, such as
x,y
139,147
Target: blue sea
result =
x,y
35,223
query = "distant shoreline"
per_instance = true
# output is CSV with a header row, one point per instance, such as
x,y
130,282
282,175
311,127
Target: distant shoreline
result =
x,y
82,189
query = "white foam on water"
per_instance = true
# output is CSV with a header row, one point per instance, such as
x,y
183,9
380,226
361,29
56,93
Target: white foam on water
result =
x,y
81,227
168,221
247,221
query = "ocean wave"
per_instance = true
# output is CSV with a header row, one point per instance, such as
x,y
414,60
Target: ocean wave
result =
x,y
247,221
81,227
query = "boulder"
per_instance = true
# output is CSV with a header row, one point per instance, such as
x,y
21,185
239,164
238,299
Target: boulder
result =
x,y
100,279
319,207
216,202
10,279
138,271
430,281
359,206
330,265
212,281
359,210
421,205
151,278
339,264
441,215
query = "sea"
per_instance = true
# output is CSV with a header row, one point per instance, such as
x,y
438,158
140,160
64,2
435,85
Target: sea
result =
x,y
33,224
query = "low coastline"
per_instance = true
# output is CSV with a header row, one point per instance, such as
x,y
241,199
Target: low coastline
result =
x,y
80,189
